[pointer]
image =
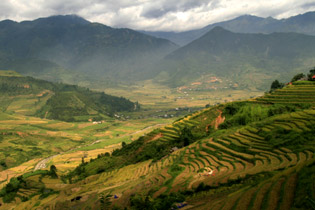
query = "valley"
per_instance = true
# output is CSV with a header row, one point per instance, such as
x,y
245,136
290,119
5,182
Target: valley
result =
x,y
98,117
250,148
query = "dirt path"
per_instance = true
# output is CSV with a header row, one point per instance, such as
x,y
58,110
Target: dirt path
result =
x,y
42,163
146,128
219,120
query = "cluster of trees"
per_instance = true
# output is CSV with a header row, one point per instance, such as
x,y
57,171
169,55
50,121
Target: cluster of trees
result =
x,y
242,113
9,192
308,77
277,85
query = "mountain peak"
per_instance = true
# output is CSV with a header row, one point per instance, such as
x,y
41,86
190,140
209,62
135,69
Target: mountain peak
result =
x,y
60,20
6,23
249,17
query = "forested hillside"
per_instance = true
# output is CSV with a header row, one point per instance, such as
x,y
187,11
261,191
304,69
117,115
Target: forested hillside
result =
x,y
59,101
69,47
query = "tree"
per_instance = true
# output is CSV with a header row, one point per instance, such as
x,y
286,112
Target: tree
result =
x,y
298,77
276,85
53,171
123,144
105,201
186,136
311,74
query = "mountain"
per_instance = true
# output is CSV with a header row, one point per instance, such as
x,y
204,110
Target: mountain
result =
x,y
253,154
57,101
250,60
303,23
71,45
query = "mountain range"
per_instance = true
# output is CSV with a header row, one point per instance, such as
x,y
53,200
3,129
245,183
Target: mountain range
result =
x,y
303,23
73,50
66,43
251,60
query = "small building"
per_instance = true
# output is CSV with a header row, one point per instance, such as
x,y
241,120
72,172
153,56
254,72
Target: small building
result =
x,y
313,77
174,149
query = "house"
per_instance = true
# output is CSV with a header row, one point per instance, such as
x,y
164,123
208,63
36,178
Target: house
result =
x,y
313,77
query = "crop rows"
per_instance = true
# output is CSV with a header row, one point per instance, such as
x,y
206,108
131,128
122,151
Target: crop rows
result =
x,y
291,94
244,153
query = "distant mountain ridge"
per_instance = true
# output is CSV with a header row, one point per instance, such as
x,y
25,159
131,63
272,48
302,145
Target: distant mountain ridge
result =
x,y
303,23
251,60
72,43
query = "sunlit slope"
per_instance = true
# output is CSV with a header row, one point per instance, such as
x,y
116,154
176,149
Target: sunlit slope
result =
x,y
242,163
241,155
34,97
298,92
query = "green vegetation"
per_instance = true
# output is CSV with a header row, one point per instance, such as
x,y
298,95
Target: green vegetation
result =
x,y
73,50
16,185
298,77
184,132
60,101
254,154
242,58
8,73
311,74
165,201
305,193
243,114
276,85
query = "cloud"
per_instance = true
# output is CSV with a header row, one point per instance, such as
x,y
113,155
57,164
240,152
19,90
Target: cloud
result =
x,y
6,9
168,15
161,8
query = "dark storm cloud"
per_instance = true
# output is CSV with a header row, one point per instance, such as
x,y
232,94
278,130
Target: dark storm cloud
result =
x,y
170,15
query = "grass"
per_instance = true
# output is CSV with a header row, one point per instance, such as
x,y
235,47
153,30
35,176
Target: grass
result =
x,y
150,94
9,73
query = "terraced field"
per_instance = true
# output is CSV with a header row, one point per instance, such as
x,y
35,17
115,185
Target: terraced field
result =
x,y
244,153
260,164
298,92
196,121
231,158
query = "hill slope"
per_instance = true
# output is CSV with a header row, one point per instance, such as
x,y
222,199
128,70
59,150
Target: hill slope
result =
x,y
253,154
303,23
251,60
30,96
57,43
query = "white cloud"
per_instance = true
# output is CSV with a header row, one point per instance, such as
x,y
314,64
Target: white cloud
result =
x,y
176,15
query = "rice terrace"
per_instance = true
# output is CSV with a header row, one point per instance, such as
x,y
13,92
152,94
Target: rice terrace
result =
x,y
171,115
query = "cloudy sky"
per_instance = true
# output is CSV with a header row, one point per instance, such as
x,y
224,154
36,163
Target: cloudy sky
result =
x,y
167,15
